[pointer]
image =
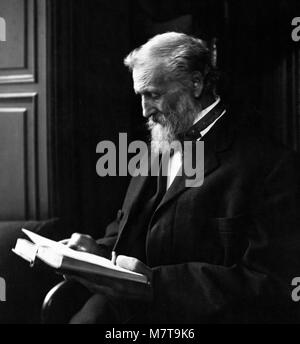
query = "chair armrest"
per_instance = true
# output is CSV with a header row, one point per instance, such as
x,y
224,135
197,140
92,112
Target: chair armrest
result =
x,y
62,302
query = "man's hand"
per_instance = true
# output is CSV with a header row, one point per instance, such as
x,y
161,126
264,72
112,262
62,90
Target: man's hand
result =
x,y
113,287
122,288
82,242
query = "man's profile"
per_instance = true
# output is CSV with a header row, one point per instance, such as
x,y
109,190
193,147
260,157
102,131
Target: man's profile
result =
x,y
221,252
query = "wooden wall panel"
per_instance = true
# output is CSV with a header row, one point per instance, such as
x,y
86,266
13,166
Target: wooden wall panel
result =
x,y
24,111
17,53
18,177
12,168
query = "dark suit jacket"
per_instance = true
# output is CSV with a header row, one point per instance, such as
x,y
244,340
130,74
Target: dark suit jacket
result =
x,y
226,251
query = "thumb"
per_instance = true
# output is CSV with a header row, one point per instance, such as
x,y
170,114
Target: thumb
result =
x,y
134,265
129,263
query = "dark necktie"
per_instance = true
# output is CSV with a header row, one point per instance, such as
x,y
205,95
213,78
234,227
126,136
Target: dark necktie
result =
x,y
161,185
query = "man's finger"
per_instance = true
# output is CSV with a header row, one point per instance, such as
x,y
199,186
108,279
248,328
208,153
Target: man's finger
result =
x,y
80,242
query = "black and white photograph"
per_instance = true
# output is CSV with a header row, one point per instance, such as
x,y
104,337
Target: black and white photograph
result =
x,y
149,164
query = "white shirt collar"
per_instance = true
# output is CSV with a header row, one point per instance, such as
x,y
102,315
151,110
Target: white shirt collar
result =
x,y
206,110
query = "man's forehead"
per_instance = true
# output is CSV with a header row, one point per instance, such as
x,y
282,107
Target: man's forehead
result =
x,y
147,77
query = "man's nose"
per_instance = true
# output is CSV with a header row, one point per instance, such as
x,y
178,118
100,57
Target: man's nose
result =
x,y
148,108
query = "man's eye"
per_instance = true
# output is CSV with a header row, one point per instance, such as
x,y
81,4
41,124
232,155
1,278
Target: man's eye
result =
x,y
151,95
154,95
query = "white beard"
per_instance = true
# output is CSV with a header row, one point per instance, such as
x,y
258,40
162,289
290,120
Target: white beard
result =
x,y
161,138
176,120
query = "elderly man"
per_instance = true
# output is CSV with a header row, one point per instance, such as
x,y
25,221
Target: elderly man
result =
x,y
221,252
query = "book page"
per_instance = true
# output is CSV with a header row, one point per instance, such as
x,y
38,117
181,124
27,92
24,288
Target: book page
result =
x,y
68,252
42,241
25,249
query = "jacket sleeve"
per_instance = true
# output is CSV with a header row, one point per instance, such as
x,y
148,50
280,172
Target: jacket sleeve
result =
x,y
108,241
257,288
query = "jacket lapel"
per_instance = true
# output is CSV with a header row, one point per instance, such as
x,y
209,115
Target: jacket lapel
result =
x,y
138,185
216,141
178,186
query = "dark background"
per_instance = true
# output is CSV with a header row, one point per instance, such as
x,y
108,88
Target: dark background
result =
x,y
94,100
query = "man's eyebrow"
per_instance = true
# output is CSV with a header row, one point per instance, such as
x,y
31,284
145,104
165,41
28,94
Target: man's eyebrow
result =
x,y
149,89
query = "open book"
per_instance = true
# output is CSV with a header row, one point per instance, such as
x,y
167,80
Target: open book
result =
x,y
68,261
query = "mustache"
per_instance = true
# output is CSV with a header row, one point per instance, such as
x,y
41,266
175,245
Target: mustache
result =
x,y
170,119
158,118
162,118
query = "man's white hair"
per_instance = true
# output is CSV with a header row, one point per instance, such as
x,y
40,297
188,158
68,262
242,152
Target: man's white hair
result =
x,y
180,53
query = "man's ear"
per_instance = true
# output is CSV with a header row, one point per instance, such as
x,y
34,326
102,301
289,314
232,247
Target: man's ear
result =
x,y
197,84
